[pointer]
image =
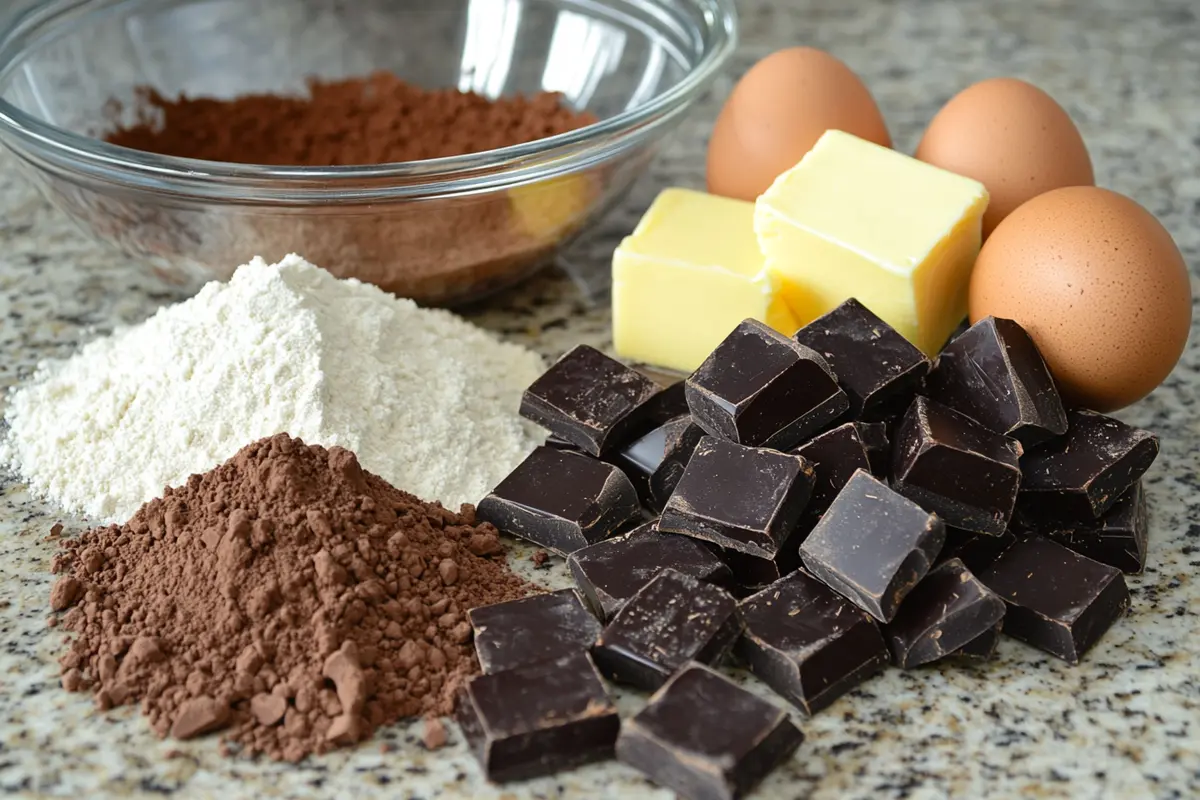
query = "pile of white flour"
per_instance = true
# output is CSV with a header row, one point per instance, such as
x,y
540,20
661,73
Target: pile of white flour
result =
x,y
427,400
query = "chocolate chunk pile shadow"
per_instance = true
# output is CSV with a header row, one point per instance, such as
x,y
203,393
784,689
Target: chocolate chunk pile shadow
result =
x,y
813,508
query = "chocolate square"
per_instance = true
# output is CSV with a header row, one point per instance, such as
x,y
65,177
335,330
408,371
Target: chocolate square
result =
x,y
743,498
1058,600
947,610
703,736
518,632
994,374
1079,476
878,368
561,500
610,572
762,389
586,398
672,620
538,719
808,643
955,467
1119,538
873,546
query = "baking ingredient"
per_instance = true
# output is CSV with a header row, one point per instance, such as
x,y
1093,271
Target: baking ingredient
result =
x,y
538,719
857,220
787,395
686,276
743,498
993,373
955,467
562,501
1098,283
437,251
672,620
1058,601
519,632
1118,538
873,546
592,401
373,119
703,737
948,609
608,573
1078,477
877,368
809,643
287,598
1013,138
778,111
425,399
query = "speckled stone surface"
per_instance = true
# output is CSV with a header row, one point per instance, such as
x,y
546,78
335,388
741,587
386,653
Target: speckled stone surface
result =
x,y
1124,724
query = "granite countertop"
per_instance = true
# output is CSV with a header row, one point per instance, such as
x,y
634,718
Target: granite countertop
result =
x,y
1126,723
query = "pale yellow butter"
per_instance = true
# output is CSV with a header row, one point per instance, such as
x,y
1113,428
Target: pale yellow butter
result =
x,y
686,276
854,219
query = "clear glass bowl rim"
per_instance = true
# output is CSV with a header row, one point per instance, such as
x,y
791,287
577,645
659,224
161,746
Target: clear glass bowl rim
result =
x,y
454,175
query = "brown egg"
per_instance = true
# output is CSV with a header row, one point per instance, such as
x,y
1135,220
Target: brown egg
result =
x,y
1100,286
778,110
1011,137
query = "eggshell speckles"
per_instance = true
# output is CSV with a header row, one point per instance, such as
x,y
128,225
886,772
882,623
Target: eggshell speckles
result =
x,y
1098,283
1013,138
776,113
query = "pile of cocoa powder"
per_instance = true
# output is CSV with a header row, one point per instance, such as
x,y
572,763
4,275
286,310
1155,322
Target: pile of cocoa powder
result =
x,y
438,250
287,598
376,119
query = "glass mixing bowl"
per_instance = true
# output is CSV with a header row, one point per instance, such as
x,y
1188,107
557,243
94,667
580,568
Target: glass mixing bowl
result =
x,y
440,231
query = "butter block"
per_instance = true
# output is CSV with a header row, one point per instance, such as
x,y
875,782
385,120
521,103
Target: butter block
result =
x,y
687,276
854,219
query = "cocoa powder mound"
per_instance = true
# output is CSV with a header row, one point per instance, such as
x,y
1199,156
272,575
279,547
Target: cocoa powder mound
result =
x,y
376,119
287,598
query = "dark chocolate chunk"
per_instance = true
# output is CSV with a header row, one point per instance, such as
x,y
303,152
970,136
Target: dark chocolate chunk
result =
x,y
761,389
538,719
1118,538
655,461
610,572
877,367
835,455
589,399
519,632
1080,476
808,643
706,738
743,498
1058,600
955,467
994,374
561,501
672,620
873,545
981,648
947,610
977,551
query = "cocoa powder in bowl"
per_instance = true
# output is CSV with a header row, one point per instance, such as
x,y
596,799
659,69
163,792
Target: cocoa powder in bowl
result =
x,y
435,250
287,598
